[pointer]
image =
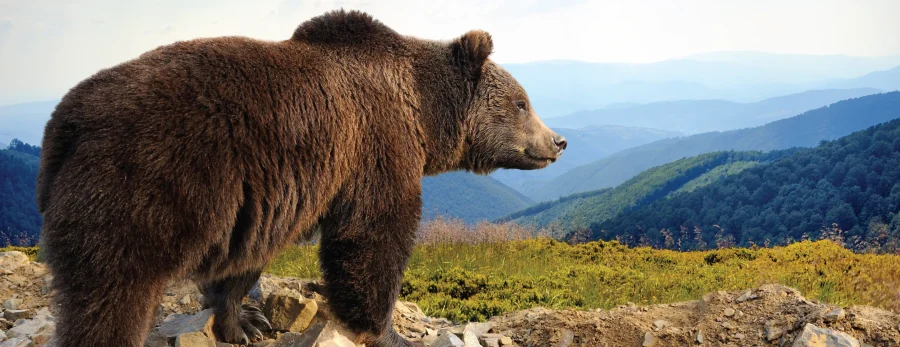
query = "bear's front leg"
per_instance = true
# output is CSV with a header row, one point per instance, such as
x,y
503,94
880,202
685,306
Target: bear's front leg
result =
x,y
235,323
365,246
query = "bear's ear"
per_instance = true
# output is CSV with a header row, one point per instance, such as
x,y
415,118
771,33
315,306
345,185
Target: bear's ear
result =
x,y
471,50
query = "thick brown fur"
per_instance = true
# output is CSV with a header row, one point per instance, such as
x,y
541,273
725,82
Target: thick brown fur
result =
x,y
204,158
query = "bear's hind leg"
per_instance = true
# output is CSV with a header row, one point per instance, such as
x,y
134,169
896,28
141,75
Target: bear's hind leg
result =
x,y
113,311
235,323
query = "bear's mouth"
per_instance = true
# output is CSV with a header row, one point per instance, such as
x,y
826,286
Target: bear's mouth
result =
x,y
538,158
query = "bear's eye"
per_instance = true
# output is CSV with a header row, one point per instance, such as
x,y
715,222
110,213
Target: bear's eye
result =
x,y
521,105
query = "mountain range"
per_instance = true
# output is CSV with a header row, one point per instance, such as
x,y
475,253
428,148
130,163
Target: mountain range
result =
x,y
700,116
805,130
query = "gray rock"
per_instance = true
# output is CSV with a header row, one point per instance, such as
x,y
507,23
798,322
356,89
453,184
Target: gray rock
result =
x,y
179,324
748,295
12,304
834,315
155,339
772,331
478,328
14,315
470,339
31,327
307,339
699,338
263,343
17,342
649,340
448,339
813,336
194,339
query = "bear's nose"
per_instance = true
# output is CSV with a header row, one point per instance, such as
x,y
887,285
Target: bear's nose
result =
x,y
560,142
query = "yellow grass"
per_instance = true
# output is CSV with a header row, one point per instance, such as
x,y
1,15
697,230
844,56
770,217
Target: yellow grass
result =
x,y
474,280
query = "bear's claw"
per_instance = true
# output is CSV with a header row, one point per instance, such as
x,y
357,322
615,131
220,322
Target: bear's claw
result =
x,y
247,328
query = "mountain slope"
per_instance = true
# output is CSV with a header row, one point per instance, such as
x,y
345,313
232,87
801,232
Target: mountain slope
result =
x,y
698,116
578,211
20,222
805,130
847,189
469,197
585,146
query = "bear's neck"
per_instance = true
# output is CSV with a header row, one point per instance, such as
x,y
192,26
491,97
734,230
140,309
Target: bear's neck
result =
x,y
444,96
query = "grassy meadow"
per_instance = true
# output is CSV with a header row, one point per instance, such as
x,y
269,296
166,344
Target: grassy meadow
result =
x,y
472,273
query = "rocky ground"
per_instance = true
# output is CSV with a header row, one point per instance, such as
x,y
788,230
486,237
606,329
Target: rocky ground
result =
x,y
771,315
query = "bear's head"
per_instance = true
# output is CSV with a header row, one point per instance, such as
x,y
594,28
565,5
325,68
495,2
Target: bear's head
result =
x,y
501,128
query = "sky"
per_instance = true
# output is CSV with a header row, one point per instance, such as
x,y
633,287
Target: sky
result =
x,y
46,47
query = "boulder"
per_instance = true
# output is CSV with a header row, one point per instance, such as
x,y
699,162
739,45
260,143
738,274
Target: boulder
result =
x,y
17,342
478,329
448,339
834,315
290,313
649,340
813,336
180,324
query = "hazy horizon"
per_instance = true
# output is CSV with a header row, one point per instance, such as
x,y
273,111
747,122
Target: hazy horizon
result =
x,y
46,46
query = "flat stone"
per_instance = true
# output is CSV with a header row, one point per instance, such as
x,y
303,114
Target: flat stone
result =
x,y
448,339
490,340
813,336
179,324
739,336
506,341
728,312
290,313
31,327
834,315
649,340
470,339
263,343
478,328
699,338
194,339
660,324
17,342
14,315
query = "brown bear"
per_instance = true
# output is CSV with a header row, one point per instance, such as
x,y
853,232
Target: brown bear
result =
x,y
205,158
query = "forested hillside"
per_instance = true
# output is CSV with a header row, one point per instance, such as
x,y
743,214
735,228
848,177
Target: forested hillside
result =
x,y
805,130
20,222
847,189
469,197
578,211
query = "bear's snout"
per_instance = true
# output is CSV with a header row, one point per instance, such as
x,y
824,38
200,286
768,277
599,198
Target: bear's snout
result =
x,y
560,142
